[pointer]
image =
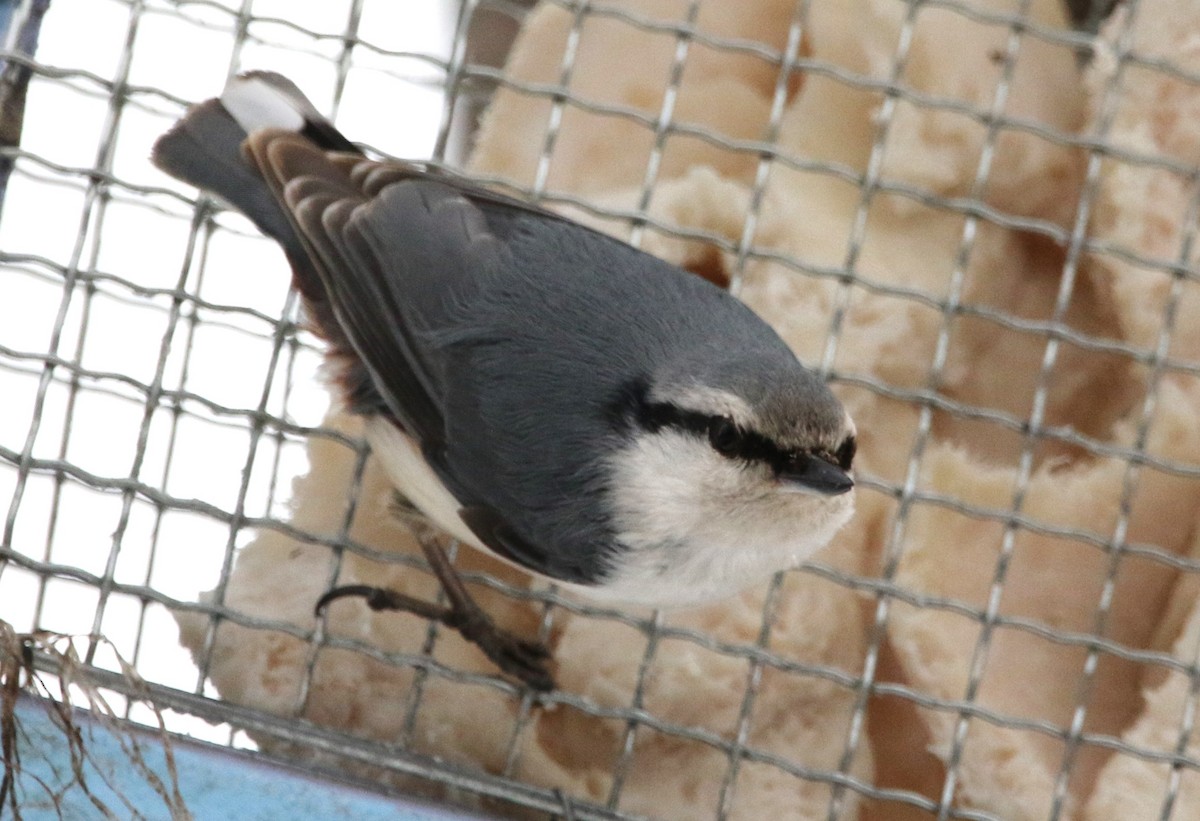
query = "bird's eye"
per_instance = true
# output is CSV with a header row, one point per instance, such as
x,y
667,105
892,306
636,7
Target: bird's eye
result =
x,y
724,436
845,453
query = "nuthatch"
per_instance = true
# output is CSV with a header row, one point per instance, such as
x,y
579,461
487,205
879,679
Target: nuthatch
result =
x,y
542,391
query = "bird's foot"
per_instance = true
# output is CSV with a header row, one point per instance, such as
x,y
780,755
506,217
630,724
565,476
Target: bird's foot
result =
x,y
520,658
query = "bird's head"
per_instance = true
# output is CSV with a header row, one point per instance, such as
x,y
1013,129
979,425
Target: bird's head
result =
x,y
733,465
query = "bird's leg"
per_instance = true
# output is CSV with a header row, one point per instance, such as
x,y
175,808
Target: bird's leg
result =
x,y
512,654
522,659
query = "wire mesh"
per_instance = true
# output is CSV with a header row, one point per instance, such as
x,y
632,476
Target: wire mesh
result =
x,y
162,405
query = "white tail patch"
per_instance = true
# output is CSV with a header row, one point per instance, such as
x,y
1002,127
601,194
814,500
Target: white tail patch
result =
x,y
255,103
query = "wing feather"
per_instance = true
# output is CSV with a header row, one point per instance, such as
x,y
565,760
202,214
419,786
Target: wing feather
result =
x,y
415,274
321,198
429,289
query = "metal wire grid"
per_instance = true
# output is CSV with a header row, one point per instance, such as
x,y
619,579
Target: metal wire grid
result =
x,y
266,421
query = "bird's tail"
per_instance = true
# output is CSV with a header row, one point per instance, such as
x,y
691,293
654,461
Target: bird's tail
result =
x,y
205,149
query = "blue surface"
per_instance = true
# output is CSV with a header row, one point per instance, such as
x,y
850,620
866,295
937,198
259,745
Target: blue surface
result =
x,y
28,36
6,13
216,783
14,79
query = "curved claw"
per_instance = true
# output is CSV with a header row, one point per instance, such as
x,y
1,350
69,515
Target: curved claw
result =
x,y
363,590
523,659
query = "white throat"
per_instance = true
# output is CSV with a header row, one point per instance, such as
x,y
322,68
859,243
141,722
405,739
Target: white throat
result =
x,y
695,526
698,526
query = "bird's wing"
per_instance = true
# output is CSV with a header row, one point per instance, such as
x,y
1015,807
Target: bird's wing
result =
x,y
389,256
403,256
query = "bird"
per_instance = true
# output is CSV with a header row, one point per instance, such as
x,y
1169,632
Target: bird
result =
x,y
540,390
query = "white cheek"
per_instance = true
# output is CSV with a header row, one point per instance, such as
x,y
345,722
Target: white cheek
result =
x,y
699,526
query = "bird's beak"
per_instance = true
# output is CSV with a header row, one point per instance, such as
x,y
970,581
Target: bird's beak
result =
x,y
815,475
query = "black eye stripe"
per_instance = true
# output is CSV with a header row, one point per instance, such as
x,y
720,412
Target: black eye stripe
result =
x,y
845,453
632,408
725,437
